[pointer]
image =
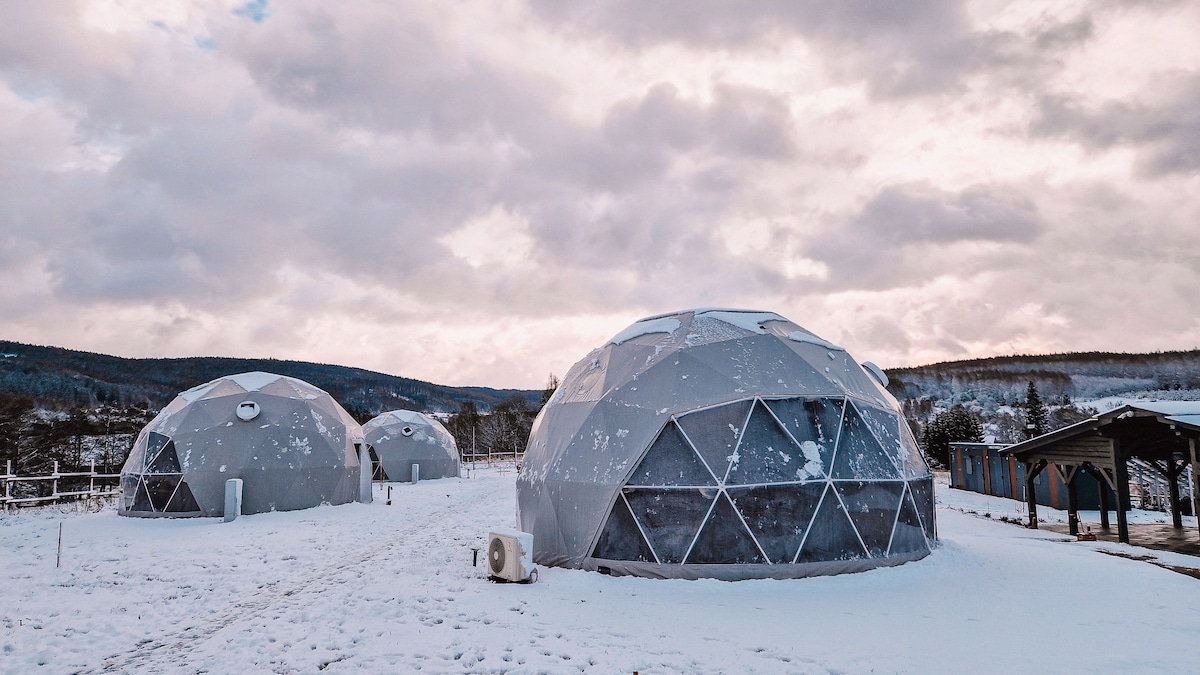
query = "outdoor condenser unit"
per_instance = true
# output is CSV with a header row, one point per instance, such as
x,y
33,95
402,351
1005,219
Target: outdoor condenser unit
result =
x,y
510,556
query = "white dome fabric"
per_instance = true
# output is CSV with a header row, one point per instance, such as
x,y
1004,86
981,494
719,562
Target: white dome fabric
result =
x,y
401,438
723,443
292,445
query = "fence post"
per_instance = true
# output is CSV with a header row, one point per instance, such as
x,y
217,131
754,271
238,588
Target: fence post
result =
x,y
54,488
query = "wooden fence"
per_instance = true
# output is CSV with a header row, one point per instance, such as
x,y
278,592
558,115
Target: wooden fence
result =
x,y
98,485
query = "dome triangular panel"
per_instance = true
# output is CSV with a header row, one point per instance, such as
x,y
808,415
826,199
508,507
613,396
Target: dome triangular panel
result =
x,y
724,539
670,518
714,432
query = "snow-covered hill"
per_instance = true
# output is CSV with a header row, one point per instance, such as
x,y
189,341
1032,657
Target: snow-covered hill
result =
x,y
389,589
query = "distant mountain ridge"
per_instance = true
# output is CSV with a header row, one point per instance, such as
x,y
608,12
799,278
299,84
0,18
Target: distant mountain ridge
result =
x,y
1083,375
63,378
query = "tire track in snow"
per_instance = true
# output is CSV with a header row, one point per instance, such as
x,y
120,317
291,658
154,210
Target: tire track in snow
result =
x,y
170,651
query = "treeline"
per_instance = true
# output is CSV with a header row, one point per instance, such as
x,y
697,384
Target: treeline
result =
x,y
32,439
994,391
1002,380
64,379
72,406
505,430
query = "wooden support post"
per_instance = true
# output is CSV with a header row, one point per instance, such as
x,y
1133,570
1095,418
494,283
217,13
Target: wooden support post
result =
x,y
987,474
1031,472
1173,486
1195,478
1102,486
1072,500
1121,478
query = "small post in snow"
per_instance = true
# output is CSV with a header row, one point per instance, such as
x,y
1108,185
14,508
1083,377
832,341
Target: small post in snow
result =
x,y
233,499
58,562
364,473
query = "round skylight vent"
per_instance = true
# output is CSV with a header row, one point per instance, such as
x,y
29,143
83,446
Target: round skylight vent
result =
x,y
407,431
247,410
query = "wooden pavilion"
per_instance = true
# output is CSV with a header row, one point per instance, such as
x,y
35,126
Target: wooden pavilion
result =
x,y
1163,435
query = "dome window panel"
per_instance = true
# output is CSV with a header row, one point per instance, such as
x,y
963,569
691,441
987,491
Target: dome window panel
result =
x,y
129,488
872,508
814,424
670,518
724,539
167,461
154,443
886,427
922,492
621,538
714,433
671,461
160,488
141,499
909,536
766,454
814,419
182,501
831,536
778,515
859,454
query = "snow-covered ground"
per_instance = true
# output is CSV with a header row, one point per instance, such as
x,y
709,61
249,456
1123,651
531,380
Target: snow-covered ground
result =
x,y
390,589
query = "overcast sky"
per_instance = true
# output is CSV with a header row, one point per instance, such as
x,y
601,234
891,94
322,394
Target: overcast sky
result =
x,y
480,192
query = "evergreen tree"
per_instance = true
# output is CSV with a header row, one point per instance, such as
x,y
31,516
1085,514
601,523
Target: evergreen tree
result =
x,y
954,425
1037,418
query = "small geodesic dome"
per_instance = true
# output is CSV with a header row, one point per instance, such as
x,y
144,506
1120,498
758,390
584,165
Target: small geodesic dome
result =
x,y
401,438
292,445
724,443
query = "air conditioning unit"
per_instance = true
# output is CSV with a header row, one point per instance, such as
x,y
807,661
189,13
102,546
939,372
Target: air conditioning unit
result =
x,y
510,556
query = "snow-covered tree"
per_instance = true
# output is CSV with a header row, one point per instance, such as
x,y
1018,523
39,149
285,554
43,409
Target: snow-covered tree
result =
x,y
1037,417
956,424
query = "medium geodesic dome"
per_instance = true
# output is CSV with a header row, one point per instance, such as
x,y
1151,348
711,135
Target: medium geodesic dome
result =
x,y
292,445
724,443
401,438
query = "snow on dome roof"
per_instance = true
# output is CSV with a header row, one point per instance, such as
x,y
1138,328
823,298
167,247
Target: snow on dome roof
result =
x,y
731,444
253,381
751,321
646,327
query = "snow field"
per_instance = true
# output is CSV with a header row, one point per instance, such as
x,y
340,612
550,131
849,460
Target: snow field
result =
x,y
390,589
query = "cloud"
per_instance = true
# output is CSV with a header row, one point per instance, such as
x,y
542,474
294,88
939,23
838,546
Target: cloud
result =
x,y
1162,124
479,193
899,232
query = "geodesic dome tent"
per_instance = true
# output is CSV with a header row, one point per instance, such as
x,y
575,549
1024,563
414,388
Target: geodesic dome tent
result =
x,y
724,443
401,438
292,445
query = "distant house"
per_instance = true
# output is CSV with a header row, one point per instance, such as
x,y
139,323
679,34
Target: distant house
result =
x,y
980,467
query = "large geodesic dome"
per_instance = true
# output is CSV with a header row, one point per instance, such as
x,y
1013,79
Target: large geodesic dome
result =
x,y
292,445
401,438
730,444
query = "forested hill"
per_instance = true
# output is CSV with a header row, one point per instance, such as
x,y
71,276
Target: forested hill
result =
x,y
67,379
1085,375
